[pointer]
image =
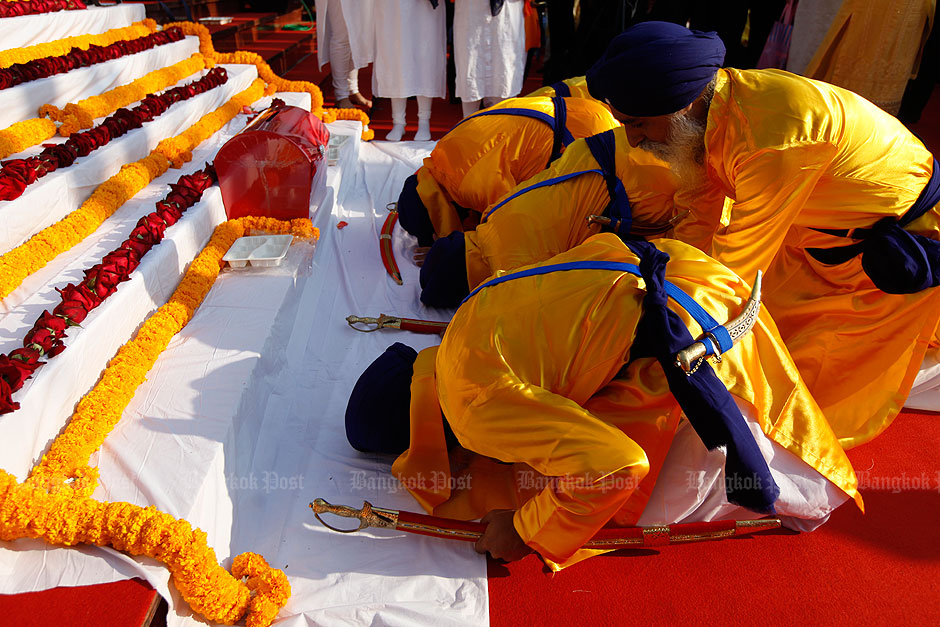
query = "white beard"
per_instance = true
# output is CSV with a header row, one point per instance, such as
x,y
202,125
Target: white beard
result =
x,y
684,150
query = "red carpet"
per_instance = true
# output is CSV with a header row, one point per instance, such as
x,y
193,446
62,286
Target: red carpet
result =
x,y
129,603
879,568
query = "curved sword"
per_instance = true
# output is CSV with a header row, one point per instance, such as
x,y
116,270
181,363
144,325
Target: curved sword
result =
x,y
690,358
385,243
384,321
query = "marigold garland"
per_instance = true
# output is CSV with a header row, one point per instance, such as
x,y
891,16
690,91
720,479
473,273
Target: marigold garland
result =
x,y
22,135
30,512
62,46
81,115
108,197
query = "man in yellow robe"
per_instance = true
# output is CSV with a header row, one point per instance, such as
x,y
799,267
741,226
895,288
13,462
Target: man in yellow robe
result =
x,y
487,154
548,214
558,413
831,196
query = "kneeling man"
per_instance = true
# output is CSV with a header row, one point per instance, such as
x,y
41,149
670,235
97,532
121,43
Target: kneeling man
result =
x,y
555,406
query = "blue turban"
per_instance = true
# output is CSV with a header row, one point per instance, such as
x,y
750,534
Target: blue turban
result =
x,y
378,415
655,68
443,276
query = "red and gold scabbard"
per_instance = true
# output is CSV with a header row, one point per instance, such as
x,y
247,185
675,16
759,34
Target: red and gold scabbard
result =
x,y
612,538
365,325
385,243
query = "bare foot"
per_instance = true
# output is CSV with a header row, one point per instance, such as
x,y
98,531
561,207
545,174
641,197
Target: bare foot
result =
x,y
421,252
344,103
360,101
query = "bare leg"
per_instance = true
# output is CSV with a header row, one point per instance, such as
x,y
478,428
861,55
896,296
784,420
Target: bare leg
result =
x,y
470,107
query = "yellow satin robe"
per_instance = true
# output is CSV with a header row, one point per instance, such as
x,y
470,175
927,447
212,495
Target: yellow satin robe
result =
x,y
577,85
486,156
527,374
549,220
794,154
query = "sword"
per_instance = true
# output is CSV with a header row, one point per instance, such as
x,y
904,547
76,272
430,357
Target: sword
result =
x,y
644,229
690,358
608,538
395,322
385,242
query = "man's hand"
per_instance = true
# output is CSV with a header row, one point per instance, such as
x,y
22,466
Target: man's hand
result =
x,y
421,252
501,540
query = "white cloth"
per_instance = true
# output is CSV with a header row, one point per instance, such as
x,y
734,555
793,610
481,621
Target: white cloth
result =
x,y
410,49
359,31
342,66
489,52
27,30
811,22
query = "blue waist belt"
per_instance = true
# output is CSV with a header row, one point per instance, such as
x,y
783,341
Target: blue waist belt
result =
x,y
897,262
559,123
704,399
603,148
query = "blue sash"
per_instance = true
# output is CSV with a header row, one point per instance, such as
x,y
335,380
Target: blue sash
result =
x,y
704,399
897,262
603,149
561,135
561,89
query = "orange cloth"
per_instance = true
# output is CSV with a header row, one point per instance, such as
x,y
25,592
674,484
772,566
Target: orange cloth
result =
x,y
531,373
486,156
794,154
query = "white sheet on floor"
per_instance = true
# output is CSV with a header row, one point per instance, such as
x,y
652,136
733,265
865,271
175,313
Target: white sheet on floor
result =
x,y
27,30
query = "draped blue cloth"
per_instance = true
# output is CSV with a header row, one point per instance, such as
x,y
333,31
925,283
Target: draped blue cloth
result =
x,y
412,214
704,399
443,276
655,68
897,261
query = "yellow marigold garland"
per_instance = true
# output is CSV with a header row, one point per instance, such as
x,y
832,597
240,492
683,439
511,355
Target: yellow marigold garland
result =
x,y
20,136
108,197
179,149
54,505
61,46
81,115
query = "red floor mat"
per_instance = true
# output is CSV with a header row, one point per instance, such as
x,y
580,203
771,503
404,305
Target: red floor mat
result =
x,y
879,568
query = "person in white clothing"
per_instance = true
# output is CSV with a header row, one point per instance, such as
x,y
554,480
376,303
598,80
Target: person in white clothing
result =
x,y
410,59
345,41
489,51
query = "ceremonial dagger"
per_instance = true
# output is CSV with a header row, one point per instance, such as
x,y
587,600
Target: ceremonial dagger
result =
x,y
643,229
607,538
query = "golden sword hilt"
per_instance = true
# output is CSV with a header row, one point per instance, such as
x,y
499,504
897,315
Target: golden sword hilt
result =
x,y
367,515
382,322
690,358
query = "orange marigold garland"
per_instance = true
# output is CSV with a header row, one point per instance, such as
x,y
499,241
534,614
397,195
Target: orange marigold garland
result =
x,y
82,115
30,512
108,197
62,46
22,135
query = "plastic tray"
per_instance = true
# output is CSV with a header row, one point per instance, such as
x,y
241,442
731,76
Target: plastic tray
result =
x,y
258,250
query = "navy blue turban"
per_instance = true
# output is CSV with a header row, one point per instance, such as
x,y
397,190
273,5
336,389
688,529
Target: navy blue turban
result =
x,y
655,68
443,276
378,415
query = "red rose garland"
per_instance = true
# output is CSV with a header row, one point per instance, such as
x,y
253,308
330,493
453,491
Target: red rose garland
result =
x,y
101,280
17,174
19,73
34,7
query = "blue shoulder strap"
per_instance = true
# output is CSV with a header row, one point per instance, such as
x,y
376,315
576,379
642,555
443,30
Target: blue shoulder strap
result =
x,y
562,136
698,313
603,147
561,89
